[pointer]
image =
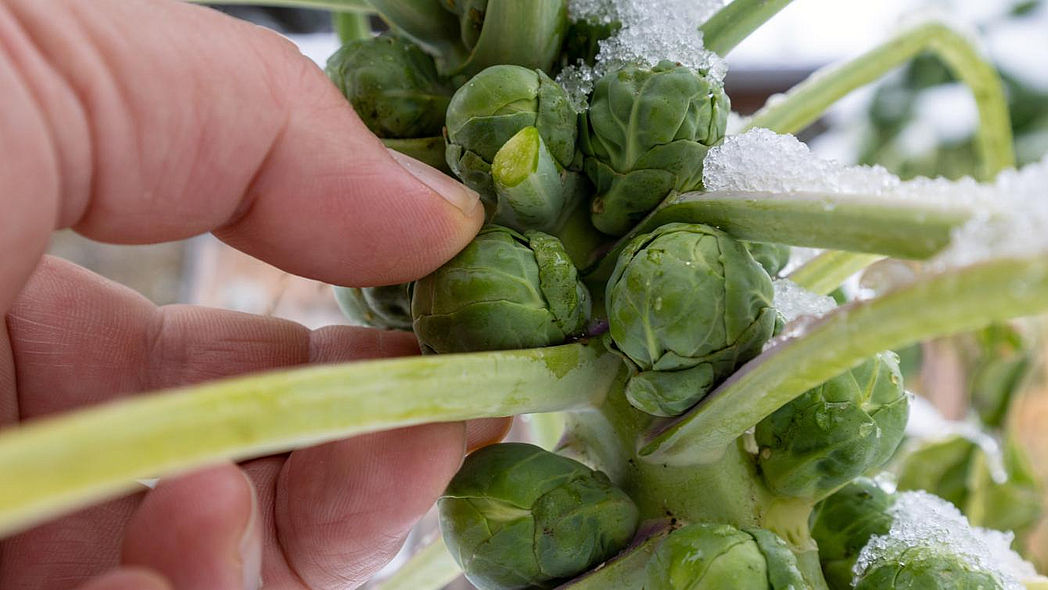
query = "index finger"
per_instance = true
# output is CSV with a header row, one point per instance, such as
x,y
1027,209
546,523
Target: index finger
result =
x,y
139,121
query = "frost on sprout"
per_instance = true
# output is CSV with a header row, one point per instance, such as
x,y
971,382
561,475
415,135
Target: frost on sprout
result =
x,y
652,31
794,301
924,520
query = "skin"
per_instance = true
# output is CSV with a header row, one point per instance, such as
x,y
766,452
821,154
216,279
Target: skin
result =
x,y
141,121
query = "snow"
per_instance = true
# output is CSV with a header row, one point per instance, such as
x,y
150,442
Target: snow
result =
x,y
924,520
652,31
793,301
1012,219
1016,227
763,161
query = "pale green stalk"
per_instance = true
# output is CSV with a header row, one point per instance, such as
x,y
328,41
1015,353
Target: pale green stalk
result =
x,y
902,227
808,101
736,21
432,568
352,26
827,271
337,5
937,305
56,465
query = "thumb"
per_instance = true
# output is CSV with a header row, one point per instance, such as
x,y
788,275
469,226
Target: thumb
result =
x,y
165,120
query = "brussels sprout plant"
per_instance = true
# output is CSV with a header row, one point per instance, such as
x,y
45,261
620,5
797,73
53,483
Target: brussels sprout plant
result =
x,y
720,413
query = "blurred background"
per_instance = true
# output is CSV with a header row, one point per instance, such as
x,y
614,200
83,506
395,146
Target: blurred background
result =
x,y
916,122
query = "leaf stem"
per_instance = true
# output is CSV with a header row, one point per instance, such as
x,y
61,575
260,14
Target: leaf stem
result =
x,y
58,464
939,305
824,273
736,21
352,26
807,101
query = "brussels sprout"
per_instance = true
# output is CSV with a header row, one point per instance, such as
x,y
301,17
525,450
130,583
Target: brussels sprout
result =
x,y
534,192
718,556
844,523
939,467
393,86
503,291
516,516
926,568
773,257
494,106
645,135
686,305
835,432
377,307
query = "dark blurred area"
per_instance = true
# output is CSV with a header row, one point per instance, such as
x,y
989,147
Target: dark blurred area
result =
x,y
291,21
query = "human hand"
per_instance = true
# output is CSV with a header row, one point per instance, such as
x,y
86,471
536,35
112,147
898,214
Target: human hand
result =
x,y
141,121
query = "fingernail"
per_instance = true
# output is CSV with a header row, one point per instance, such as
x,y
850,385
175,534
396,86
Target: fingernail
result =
x,y
250,547
454,192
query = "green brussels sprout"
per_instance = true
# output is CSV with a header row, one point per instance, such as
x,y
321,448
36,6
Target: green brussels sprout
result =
x,y
927,568
503,291
494,106
377,307
645,135
516,516
836,431
686,305
844,523
719,556
393,86
773,257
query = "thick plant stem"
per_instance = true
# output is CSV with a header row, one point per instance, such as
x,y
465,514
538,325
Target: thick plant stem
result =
x,y
736,21
361,6
946,303
352,26
827,271
55,465
807,101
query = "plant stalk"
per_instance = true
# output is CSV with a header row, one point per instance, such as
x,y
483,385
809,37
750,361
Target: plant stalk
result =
x,y
827,271
736,21
901,227
808,101
55,465
352,26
